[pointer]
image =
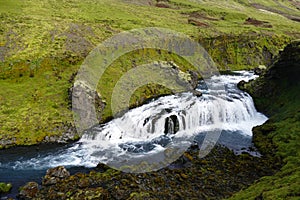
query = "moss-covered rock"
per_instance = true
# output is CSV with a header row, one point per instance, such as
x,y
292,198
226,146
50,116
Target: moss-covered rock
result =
x,y
218,175
28,191
5,187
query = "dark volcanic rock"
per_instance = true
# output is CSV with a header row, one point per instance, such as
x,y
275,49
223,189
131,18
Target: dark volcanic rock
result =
x,y
241,85
282,75
28,191
218,175
54,175
194,79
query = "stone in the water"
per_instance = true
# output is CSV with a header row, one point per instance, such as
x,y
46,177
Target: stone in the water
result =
x,y
5,187
102,167
259,70
28,191
54,175
171,125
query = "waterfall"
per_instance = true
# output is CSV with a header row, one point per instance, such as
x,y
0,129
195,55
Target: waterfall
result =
x,y
149,129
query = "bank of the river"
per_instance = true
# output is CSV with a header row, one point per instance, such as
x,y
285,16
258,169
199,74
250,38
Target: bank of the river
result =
x,y
21,164
277,93
219,175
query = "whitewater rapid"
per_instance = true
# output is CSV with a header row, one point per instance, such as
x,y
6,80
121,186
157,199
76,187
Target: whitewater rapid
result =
x,y
141,132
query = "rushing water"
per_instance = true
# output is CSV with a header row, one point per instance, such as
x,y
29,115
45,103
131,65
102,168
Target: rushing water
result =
x,y
180,119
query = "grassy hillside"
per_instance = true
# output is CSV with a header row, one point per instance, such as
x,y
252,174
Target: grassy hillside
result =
x,y
277,93
42,44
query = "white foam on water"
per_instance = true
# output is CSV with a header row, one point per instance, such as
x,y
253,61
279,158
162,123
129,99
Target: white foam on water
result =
x,y
215,110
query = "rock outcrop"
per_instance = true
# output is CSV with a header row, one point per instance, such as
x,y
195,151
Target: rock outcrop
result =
x,y
29,191
276,93
282,75
54,175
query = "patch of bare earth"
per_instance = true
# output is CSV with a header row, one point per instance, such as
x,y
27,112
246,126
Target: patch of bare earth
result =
x,y
196,22
255,22
140,2
198,19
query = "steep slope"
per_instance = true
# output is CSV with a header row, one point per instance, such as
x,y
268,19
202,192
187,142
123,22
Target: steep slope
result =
x,y
277,93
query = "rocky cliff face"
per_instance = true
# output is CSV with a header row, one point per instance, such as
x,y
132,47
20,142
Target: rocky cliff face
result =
x,y
279,85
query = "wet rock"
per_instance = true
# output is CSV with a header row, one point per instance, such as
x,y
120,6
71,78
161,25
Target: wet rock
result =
x,y
241,85
194,78
259,70
197,93
269,85
54,175
171,125
102,167
28,191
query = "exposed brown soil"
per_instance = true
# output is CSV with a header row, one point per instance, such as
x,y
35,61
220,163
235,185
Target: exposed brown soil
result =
x,y
162,5
197,23
295,3
256,22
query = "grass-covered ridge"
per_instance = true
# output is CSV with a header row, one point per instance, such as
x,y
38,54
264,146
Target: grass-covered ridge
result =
x,y
42,44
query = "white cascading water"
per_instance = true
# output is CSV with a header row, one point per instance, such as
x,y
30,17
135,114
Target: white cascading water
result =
x,y
142,130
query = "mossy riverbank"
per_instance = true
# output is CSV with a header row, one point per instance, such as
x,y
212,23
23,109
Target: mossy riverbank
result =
x,y
277,94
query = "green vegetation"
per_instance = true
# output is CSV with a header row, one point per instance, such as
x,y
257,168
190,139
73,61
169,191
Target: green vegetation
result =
x,y
277,94
42,44
5,187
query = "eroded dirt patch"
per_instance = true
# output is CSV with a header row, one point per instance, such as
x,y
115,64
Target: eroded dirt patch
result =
x,y
255,22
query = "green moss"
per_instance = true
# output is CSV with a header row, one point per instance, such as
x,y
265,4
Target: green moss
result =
x,y
128,61
5,187
42,45
277,94
141,195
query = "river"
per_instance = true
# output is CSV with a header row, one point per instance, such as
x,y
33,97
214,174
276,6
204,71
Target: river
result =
x,y
146,132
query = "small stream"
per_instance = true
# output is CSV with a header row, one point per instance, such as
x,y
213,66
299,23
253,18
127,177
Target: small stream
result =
x,y
144,133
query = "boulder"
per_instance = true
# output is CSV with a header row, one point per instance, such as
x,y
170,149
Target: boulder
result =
x,y
86,103
259,70
28,191
102,167
54,175
241,85
5,187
